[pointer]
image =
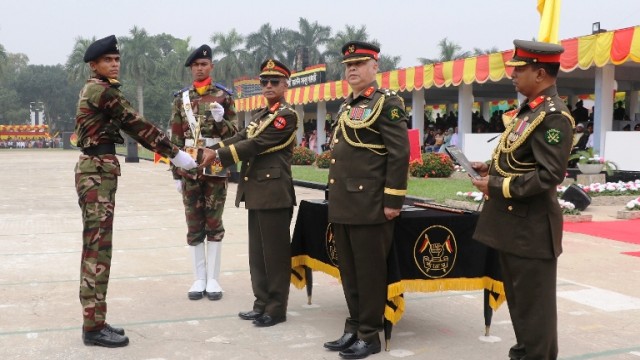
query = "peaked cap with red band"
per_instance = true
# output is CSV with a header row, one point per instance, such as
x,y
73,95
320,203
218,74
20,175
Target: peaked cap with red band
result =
x,y
534,52
359,51
272,67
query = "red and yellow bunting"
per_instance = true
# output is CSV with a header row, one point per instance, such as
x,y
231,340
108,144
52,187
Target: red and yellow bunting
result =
x,y
614,47
24,131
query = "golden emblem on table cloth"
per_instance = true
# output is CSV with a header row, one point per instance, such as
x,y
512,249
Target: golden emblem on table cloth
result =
x,y
435,251
330,245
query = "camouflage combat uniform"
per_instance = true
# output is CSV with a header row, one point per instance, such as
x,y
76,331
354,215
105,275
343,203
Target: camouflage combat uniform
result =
x,y
102,112
203,196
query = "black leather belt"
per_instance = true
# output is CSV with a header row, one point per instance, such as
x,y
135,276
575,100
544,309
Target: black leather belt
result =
x,y
100,149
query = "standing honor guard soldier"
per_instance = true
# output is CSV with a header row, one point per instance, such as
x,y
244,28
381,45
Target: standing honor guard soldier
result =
x,y
265,148
206,108
367,186
102,113
521,217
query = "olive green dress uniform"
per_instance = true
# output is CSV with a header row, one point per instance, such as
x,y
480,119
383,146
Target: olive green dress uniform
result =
x,y
522,219
368,171
265,148
103,112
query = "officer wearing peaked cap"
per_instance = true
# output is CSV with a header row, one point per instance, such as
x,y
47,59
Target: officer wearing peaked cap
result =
x,y
265,148
210,107
521,217
102,113
367,186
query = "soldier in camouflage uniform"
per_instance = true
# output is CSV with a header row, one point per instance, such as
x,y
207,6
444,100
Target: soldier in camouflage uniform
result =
x,y
203,194
102,112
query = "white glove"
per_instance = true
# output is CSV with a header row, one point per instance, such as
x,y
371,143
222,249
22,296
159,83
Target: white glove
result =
x,y
184,160
179,186
217,111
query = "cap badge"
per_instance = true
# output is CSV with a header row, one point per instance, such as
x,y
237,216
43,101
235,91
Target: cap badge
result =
x,y
204,52
270,64
352,49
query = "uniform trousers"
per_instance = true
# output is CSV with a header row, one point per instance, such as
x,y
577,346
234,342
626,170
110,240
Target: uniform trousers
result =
x,y
270,259
96,197
203,201
362,259
530,287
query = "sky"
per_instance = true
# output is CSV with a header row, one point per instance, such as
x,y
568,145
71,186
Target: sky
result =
x,y
46,30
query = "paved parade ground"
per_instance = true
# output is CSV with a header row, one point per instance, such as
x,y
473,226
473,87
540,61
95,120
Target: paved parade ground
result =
x,y
40,314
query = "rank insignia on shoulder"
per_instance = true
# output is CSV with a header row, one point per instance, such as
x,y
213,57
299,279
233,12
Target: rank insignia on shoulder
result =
x,y
395,113
553,137
369,91
279,123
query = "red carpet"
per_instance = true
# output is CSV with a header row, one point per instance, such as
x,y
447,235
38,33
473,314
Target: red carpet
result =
x,y
626,231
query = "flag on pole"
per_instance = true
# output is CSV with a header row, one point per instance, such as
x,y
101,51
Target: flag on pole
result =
x,y
549,20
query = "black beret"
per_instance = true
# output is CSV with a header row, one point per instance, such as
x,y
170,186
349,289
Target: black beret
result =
x,y
203,52
534,52
359,51
108,45
273,67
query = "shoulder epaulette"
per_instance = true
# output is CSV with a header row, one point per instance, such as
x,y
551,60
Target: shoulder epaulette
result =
x,y
181,91
223,88
388,92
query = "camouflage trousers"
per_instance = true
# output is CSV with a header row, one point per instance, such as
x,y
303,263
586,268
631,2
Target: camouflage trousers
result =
x,y
203,201
96,179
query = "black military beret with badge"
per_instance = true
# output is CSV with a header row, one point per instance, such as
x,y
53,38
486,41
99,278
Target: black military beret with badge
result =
x,y
104,46
203,52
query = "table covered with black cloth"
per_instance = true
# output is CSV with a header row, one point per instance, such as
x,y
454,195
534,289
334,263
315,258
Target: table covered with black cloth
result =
x,y
432,251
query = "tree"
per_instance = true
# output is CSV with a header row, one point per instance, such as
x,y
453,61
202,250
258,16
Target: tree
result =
x,y
139,54
311,36
3,59
75,65
448,51
478,51
267,43
388,62
234,61
333,53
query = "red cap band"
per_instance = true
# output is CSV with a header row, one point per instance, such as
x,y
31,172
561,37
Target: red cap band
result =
x,y
363,51
545,58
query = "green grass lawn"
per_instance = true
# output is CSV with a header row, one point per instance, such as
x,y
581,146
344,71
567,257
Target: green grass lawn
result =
x,y
436,189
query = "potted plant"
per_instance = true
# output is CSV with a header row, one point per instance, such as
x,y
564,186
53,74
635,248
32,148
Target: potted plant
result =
x,y
631,210
591,163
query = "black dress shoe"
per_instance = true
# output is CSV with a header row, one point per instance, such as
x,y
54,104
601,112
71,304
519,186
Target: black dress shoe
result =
x,y
117,330
104,338
268,320
195,295
214,295
249,315
346,340
517,352
360,350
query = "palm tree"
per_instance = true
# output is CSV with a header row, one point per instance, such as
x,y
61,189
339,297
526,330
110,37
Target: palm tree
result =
x,y
75,66
233,59
311,36
388,62
448,51
267,43
491,50
138,57
333,54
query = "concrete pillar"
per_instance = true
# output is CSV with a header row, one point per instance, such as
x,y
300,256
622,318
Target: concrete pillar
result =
x,y
633,104
321,136
486,110
247,118
417,112
603,117
465,108
300,133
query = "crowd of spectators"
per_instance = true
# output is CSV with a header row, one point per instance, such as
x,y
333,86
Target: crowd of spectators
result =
x,y
42,143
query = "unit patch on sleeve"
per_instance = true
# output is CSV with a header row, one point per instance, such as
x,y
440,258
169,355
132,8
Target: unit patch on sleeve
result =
x,y
279,123
553,137
395,113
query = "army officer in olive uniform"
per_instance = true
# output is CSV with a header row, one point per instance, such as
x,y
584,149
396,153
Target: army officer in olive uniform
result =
x,y
521,217
367,186
265,148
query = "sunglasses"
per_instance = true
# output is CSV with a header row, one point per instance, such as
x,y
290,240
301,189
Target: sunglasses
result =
x,y
273,81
